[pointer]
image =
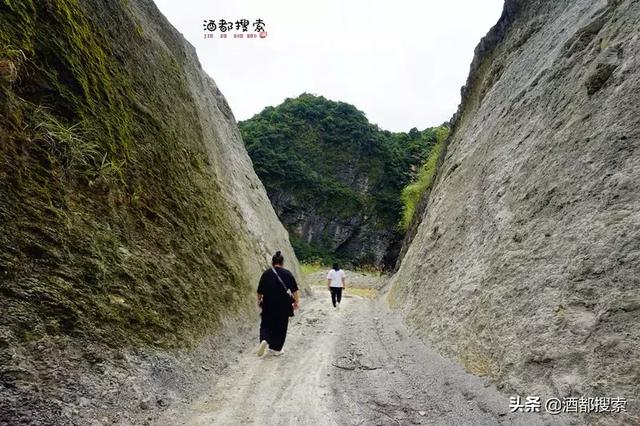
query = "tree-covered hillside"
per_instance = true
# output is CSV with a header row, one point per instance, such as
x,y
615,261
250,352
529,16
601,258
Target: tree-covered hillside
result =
x,y
334,178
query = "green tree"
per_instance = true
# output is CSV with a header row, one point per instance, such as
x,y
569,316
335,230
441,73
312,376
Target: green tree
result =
x,y
326,157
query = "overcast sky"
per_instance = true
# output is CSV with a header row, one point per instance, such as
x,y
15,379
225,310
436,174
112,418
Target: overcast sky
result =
x,y
402,62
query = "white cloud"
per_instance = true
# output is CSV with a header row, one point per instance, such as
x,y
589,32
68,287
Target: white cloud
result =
x,y
402,62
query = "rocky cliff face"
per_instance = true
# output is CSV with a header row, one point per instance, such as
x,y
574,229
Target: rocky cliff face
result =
x,y
526,264
130,213
355,240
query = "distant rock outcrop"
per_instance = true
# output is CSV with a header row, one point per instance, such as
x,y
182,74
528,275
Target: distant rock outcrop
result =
x,y
130,214
333,178
526,263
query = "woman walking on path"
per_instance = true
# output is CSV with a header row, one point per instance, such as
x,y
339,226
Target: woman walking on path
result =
x,y
336,282
278,296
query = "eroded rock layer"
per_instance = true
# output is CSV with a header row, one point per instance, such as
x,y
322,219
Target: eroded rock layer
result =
x,y
526,265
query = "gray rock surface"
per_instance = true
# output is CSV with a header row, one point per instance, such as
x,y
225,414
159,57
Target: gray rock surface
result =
x,y
526,265
356,237
176,271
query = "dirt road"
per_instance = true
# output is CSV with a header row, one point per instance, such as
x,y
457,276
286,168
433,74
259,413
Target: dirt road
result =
x,y
354,366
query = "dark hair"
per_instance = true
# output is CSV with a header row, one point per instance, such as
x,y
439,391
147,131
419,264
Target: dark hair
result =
x,y
277,259
336,267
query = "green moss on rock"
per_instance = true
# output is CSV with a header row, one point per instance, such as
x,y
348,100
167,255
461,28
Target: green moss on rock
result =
x,y
113,225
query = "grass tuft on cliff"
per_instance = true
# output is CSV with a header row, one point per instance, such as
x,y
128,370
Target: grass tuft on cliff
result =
x,y
412,193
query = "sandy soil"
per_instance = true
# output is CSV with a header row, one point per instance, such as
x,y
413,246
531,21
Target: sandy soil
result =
x,y
358,365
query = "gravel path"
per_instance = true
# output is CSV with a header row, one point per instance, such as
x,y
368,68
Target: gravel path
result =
x,y
354,366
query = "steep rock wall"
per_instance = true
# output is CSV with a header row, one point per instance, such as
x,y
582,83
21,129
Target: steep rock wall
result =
x,y
526,263
130,213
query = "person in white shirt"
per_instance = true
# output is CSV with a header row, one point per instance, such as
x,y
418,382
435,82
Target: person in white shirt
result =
x,y
336,282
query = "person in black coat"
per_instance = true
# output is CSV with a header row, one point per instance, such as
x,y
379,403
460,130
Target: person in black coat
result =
x,y
278,296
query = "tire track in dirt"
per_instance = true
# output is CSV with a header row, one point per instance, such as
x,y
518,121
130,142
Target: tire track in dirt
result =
x,y
275,390
355,366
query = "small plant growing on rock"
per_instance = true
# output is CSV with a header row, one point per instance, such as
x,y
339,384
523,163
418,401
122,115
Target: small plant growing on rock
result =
x,y
70,144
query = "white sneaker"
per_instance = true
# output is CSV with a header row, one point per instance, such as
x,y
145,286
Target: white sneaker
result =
x,y
262,347
276,353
